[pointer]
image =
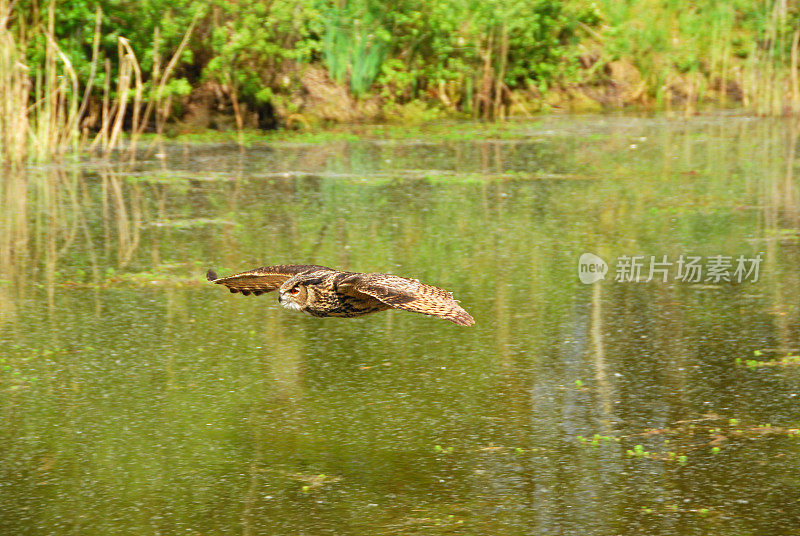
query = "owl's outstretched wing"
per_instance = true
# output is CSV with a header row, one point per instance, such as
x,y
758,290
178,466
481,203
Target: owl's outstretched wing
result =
x,y
261,280
408,294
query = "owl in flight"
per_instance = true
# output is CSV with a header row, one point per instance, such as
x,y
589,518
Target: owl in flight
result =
x,y
321,291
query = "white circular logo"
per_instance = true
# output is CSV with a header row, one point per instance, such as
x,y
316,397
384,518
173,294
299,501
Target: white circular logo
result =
x,y
591,268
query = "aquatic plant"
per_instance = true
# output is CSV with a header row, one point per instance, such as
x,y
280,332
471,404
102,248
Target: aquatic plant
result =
x,y
638,452
355,43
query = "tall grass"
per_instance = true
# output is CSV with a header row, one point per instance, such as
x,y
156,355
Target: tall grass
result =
x,y
15,87
694,52
354,44
771,76
42,112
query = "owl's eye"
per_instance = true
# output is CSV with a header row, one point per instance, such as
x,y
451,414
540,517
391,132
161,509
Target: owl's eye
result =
x,y
294,291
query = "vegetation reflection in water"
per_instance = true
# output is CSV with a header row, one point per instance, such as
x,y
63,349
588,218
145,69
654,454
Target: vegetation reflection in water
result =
x,y
137,399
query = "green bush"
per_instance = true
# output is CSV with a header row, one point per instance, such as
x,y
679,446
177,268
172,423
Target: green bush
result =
x,y
463,53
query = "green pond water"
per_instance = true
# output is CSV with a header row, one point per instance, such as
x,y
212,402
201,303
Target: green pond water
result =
x,y
136,398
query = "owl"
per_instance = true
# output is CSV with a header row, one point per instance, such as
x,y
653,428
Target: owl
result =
x,y
320,292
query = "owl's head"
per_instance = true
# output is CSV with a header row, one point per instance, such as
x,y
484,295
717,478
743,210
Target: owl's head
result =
x,y
294,294
294,298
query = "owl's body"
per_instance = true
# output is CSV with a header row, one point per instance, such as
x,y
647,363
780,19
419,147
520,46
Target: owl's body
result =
x,y
323,299
321,292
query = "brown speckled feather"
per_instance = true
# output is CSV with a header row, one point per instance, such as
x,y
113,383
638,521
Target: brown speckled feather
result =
x,y
261,280
408,294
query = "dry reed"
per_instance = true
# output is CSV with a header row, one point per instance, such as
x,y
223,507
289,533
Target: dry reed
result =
x,y
42,114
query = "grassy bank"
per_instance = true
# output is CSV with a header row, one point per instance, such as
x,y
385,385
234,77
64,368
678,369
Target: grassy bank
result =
x,y
80,75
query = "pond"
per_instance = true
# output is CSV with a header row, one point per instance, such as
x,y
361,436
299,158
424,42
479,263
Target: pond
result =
x,y
137,398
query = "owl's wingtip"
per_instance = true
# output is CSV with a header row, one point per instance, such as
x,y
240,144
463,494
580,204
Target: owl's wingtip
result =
x,y
463,319
211,275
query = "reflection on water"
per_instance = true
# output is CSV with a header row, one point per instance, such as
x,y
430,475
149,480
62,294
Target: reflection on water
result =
x,y
136,399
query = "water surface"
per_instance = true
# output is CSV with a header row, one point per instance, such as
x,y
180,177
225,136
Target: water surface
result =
x,y
135,398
